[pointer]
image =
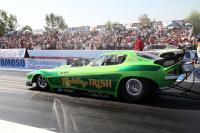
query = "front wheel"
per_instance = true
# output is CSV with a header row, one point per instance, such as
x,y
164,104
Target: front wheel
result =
x,y
41,83
135,90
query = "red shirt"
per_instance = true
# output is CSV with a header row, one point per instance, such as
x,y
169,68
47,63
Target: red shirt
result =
x,y
138,45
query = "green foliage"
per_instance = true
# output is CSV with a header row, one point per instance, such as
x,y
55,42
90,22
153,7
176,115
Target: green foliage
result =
x,y
55,23
2,28
111,25
8,22
144,20
12,23
27,28
194,19
108,25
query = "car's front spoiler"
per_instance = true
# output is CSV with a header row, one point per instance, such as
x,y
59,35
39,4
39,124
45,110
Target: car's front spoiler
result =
x,y
29,83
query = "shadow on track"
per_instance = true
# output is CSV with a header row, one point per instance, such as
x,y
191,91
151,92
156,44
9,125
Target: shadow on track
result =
x,y
159,101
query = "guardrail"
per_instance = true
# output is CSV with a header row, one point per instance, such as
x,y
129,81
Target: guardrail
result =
x,y
66,53
41,59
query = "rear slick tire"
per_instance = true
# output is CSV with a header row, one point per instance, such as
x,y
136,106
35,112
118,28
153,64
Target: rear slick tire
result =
x,y
135,90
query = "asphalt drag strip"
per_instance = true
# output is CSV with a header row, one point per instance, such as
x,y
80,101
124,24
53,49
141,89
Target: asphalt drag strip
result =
x,y
62,113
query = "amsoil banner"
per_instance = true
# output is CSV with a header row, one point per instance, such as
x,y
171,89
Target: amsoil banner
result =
x,y
12,53
12,63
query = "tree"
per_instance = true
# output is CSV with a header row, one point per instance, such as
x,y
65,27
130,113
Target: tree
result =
x,y
55,23
115,24
108,25
12,23
8,22
27,28
2,28
111,25
144,20
194,19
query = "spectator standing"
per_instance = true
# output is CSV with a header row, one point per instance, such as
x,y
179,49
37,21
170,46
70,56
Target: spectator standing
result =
x,y
139,44
152,39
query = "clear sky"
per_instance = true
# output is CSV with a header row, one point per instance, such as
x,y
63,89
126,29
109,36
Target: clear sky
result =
x,y
94,12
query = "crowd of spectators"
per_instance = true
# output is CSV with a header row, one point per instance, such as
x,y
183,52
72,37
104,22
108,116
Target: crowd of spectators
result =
x,y
91,40
174,36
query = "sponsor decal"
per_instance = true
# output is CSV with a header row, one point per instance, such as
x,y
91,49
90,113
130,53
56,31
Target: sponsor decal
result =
x,y
97,83
63,73
100,83
75,81
132,59
14,63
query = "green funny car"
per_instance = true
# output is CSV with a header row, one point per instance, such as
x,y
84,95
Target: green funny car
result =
x,y
129,75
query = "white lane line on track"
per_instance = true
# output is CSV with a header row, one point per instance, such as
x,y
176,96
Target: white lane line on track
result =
x,y
13,86
16,90
12,92
11,127
12,81
68,118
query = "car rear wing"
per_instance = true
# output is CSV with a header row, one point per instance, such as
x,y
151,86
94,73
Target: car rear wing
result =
x,y
166,62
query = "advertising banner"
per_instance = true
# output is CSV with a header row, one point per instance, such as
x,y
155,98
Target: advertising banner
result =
x,y
12,53
44,63
12,63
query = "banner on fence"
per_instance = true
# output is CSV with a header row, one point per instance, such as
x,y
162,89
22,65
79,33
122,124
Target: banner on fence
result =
x,y
12,63
12,53
44,63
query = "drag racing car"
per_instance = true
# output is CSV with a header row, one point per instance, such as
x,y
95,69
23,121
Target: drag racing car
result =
x,y
129,75
163,50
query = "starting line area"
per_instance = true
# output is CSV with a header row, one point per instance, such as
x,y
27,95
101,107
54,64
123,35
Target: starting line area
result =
x,y
11,127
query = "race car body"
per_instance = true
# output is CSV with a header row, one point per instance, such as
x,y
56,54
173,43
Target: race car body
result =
x,y
163,50
128,74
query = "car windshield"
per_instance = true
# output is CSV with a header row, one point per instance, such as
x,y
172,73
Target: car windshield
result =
x,y
109,60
